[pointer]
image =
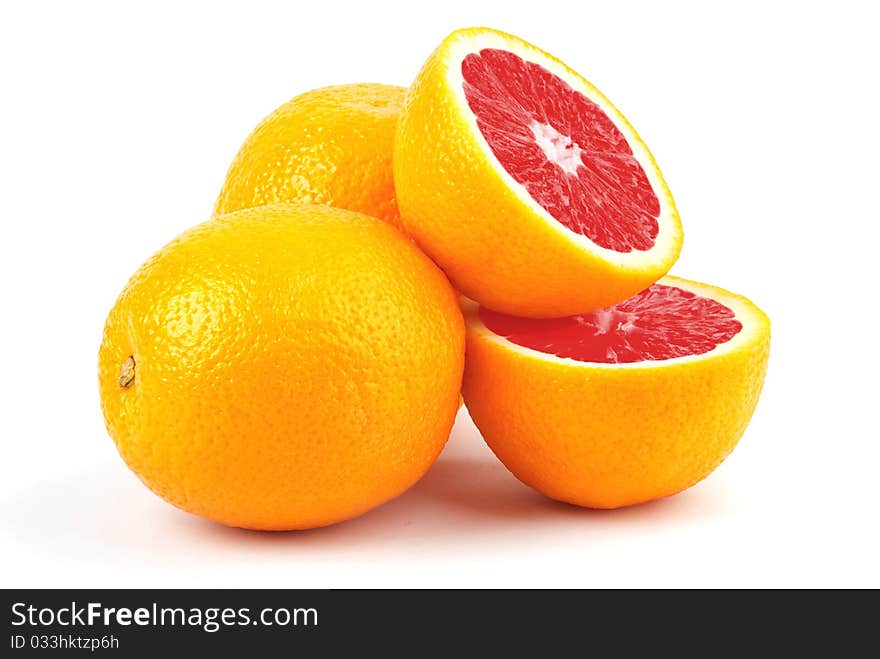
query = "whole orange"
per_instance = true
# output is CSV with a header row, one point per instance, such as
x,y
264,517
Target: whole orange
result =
x,y
283,367
327,146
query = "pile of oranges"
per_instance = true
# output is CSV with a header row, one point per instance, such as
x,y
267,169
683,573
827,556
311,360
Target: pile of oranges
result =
x,y
298,358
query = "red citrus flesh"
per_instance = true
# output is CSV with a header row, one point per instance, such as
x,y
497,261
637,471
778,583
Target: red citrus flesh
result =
x,y
661,322
562,147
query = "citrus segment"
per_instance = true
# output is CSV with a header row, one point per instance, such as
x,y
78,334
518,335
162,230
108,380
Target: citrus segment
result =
x,y
661,322
562,148
595,410
525,184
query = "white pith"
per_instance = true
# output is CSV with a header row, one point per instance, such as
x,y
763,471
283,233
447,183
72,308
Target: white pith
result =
x,y
465,43
557,148
752,319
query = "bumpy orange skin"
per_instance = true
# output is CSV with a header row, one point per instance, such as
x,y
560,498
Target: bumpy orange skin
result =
x,y
461,207
606,437
327,146
295,366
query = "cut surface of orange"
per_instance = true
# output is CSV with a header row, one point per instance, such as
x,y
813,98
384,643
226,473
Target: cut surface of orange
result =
x,y
619,406
525,183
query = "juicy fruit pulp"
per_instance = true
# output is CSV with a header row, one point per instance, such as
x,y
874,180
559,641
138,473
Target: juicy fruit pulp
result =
x,y
283,367
563,149
661,322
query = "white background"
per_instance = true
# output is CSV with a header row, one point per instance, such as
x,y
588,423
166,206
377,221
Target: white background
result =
x,y
117,125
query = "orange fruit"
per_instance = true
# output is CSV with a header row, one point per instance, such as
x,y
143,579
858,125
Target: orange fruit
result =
x,y
283,367
620,406
525,184
327,146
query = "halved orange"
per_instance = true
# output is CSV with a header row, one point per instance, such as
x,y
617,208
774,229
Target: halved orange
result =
x,y
525,184
623,405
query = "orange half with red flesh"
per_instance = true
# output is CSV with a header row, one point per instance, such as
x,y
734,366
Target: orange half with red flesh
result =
x,y
525,184
623,405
